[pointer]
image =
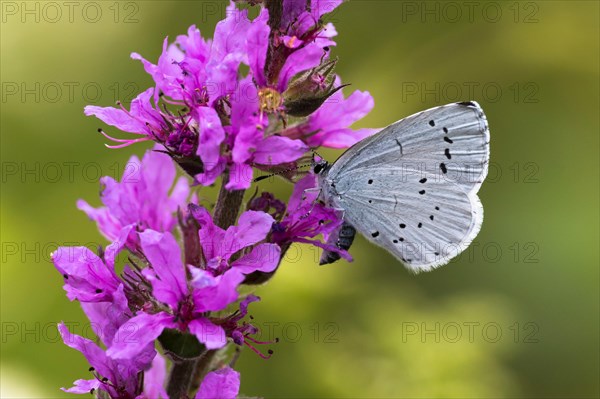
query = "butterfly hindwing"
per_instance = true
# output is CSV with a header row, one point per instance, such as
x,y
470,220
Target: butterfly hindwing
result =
x,y
422,220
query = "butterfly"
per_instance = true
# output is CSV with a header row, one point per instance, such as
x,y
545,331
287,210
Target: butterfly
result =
x,y
412,187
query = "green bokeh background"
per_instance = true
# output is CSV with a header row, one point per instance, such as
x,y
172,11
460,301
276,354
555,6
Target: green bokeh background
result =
x,y
364,329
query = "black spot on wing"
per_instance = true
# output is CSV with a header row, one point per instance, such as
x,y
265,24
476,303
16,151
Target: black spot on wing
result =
x,y
443,168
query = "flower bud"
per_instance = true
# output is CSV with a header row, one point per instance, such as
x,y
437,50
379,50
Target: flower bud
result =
x,y
309,91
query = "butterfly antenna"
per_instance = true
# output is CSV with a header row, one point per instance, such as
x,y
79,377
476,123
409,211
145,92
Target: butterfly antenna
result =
x,y
280,172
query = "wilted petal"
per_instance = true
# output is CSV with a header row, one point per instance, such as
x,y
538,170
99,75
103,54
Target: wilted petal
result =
x,y
291,10
318,8
220,384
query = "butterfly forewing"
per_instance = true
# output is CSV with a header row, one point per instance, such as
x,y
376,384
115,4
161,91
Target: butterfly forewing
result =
x,y
411,188
450,142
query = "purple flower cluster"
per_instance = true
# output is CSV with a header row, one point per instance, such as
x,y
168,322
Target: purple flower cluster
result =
x,y
213,120
173,268
129,312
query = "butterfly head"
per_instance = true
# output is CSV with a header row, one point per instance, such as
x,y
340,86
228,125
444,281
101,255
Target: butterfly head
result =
x,y
320,167
318,164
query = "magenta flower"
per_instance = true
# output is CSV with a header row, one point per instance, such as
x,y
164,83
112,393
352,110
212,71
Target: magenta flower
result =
x,y
220,245
146,197
180,305
226,122
307,218
119,378
220,384
141,119
89,278
329,125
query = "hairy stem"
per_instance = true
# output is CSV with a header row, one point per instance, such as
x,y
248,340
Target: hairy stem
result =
x,y
180,378
186,374
228,205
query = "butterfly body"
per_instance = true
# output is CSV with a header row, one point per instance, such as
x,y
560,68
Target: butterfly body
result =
x,y
412,187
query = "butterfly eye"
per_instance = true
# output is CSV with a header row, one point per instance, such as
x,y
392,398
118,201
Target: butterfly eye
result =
x,y
320,167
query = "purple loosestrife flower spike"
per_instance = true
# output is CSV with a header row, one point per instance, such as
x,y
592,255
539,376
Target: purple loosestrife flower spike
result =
x,y
227,122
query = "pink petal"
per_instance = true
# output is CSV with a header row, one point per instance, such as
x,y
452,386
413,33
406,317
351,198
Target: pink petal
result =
x,y
220,384
257,45
83,386
210,235
263,257
108,225
251,228
164,255
211,136
216,297
275,150
212,336
240,177
155,378
140,331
